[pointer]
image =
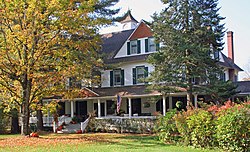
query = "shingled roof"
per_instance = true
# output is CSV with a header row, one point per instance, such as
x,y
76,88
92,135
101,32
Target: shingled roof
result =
x,y
228,63
112,43
243,87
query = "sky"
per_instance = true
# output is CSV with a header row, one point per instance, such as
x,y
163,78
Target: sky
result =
x,y
237,13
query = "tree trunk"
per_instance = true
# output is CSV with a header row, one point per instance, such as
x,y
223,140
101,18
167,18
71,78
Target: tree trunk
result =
x,y
39,117
25,119
189,93
14,122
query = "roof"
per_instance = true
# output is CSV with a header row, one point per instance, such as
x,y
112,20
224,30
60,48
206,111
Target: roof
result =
x,y
243,87
141,57
229,63
127,17
124,91
112,43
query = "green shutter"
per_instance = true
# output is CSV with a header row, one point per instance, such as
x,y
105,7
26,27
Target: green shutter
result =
x,y
146,72
128,48
122,73
111,78
134,75
138,46
146,45
157,46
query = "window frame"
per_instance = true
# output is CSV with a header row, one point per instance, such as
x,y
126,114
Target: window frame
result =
x,y
133,47
114,78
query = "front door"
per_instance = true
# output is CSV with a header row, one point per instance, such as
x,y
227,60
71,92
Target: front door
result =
x,y
102,109
81,108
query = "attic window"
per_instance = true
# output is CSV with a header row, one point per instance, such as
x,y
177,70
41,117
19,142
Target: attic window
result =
x,y
134,47
150,45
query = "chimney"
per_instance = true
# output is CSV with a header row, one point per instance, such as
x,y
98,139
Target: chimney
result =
x,y
230,45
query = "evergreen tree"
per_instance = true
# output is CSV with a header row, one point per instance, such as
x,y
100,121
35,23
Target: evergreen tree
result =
x,y
191,36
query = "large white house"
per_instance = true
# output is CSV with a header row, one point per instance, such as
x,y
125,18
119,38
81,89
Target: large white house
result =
x,y
126,52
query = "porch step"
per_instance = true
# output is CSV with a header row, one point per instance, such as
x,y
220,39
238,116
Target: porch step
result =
x,y
71,128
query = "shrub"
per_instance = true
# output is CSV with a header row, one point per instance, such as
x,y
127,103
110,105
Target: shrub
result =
x,y
182,126
233,129
166,128
201,128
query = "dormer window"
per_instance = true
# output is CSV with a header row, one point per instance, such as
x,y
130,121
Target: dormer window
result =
x,y
150,45
134,47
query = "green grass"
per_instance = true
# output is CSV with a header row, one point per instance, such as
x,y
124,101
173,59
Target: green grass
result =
x,y
90,143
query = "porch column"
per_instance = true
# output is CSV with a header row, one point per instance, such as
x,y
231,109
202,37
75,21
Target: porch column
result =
x,y
105,108
99,108
71,109
129,108
164,105
170,102
196,100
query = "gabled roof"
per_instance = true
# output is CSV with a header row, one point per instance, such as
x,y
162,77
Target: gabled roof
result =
x,y
112,43
229,63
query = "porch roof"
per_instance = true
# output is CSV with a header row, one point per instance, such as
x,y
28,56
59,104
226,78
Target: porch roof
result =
x,y
243,87
125,91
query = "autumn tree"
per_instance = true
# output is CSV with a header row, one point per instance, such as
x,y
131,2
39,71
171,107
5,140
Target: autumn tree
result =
x,y
43,42
191,36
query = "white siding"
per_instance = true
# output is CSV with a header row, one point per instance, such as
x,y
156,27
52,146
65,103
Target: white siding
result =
x,y
123,51
128,74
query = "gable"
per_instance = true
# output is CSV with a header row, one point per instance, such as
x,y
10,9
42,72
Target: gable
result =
x,y
142,31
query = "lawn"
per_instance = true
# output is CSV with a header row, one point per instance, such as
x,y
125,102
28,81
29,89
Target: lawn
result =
x,y
89,143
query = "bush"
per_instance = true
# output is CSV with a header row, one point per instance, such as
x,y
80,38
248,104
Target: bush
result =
x,y
233,129
166,128
201,127
182,126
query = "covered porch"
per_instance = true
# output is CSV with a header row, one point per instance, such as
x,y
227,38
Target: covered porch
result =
x,y
135,102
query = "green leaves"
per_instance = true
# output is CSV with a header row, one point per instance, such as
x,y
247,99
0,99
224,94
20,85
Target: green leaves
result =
x,y
44,42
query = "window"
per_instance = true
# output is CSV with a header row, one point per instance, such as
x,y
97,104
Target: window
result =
x,y
111,107
223,77
117,77
216,55
134,47
150,45
139,74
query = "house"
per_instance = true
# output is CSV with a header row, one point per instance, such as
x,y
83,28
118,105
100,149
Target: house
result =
x,y
126,52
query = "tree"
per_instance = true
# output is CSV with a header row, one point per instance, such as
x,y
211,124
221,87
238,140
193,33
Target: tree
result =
x,y
43,42
191,36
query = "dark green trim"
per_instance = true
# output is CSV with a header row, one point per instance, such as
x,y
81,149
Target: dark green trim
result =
x,y
128,48
122,81
146,45
134,75
111,78
138,46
